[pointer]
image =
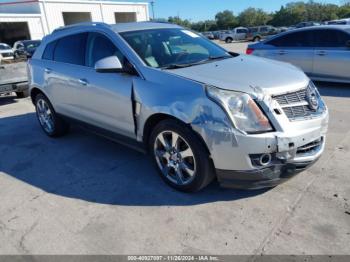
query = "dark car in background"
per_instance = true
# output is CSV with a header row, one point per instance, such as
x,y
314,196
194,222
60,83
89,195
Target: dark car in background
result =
x,y
259,33
322,52
25,48
307,24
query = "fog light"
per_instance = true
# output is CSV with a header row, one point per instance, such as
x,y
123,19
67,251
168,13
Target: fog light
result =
x,y
265,159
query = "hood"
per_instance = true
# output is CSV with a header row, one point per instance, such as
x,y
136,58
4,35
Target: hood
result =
x,y
247,74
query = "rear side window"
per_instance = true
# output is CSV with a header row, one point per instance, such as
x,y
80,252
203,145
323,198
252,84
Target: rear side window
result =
x,y
296,39
71,49
331,38
48,53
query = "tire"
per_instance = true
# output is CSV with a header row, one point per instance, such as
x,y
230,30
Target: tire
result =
x,y
257,39
194,165
45,112
22,94
228,40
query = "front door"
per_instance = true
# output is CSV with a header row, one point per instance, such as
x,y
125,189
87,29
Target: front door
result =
x,y
106,97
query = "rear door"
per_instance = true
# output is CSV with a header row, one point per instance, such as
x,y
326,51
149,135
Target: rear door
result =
x,y
295,48
332,56
64,66
241,34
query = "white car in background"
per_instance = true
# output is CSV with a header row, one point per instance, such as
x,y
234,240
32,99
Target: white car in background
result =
x,y
237,34
6,52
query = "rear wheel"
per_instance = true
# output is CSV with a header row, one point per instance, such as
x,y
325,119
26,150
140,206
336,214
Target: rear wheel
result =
x,y
22,94
257,39
52,125
180,156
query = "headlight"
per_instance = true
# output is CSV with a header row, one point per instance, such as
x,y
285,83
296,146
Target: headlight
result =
x,y
243,111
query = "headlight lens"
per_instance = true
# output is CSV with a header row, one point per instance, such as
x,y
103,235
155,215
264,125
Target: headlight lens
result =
x,y
244,112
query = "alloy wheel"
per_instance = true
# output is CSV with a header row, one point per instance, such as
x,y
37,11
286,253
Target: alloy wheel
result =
x,y
175,158
45,115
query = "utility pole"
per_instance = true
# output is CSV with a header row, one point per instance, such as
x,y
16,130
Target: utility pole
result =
x,y
152,6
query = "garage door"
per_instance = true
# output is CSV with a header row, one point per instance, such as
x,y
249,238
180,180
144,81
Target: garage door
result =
x,y
70,18
10,32
125,17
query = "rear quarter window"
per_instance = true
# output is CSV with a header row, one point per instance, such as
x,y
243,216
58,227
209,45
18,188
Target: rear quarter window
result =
x,y
49,50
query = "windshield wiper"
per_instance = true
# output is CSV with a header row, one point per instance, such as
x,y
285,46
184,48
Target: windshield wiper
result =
x,y
175,66
210,58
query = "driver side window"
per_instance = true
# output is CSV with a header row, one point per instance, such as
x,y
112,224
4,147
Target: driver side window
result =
x,y
99,47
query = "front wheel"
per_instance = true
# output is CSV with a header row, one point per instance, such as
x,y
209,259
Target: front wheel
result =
x,y
180,156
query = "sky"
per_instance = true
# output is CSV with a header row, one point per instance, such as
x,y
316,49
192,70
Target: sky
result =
x,y
196,10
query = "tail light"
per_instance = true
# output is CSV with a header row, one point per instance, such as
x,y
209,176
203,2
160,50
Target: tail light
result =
x,y
249,51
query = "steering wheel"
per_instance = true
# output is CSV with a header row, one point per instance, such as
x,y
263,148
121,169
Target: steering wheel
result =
x,y
181,55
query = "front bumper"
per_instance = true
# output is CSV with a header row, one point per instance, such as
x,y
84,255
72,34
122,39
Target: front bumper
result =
x,y
261,178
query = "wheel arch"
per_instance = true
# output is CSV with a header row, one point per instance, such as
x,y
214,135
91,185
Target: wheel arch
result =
x,y
155,119
34,92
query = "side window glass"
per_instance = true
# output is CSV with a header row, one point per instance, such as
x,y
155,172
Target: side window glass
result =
x,y
331,38
48,53
71,49
296,39
101,47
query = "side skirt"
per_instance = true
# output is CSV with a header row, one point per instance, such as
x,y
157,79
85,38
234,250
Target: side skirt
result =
x,y
120,139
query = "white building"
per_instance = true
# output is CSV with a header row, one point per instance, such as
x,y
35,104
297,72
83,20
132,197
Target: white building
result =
x,y
33,19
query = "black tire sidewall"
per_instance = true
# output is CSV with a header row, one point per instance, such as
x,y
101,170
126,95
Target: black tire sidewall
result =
x,y
204,173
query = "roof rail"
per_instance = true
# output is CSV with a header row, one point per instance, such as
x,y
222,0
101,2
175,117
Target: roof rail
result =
x,y
62,28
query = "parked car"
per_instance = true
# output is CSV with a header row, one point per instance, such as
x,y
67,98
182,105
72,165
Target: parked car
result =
x,y
6,52
208,35
25,48
201,113
13,78
307,24
339,22
258,33
237,34
321,52
216,34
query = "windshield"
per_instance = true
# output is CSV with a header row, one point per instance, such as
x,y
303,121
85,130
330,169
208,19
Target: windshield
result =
x,y
173,48
4,47
31,44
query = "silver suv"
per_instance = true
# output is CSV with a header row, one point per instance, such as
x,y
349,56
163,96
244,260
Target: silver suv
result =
x,y
201,112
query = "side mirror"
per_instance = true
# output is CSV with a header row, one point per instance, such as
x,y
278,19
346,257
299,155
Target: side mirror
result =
x,y
109,64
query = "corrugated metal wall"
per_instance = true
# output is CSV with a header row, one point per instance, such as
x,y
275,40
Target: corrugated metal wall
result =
x,y
100,12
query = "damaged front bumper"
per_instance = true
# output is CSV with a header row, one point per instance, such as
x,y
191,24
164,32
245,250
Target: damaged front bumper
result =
x,y
261,178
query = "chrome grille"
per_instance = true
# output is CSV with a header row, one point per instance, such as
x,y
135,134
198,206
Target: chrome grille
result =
x,y
295,105
290,98
7,54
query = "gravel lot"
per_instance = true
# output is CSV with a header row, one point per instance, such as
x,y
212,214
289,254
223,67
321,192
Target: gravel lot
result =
x,y
83,194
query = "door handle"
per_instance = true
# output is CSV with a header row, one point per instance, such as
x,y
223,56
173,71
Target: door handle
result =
x,y
321,53
48,70
83,82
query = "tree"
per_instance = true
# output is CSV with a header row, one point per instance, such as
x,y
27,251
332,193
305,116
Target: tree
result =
x,y
178,21
344,11
253,17
226,20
